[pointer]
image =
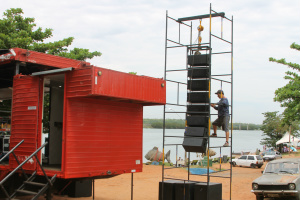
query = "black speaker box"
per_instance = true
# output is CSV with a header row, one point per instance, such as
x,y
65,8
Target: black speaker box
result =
x,y
198,97
198,72
81,188
194,144
184,190
212,191
197,121
198,109
196,132
198,85
167,190
199,60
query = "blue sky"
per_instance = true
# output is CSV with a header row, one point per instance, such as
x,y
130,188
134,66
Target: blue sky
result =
x,y
131,35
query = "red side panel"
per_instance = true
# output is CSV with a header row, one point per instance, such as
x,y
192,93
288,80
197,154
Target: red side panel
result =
x,y
24,119
102,137
79,83
114,85
145,90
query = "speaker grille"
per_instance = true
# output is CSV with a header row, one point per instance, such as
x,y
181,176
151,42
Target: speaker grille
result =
x,y
197,121
196,131
210,191
198,97
199,60
198,109
198,72
194,144
168,188
198,85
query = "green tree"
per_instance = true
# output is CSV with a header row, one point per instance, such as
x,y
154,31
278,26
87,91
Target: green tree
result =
x,y
274,128
19,31
289,95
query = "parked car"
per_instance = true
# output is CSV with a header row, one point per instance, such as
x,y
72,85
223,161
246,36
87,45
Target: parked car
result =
x,y
271,155
280,178
248,161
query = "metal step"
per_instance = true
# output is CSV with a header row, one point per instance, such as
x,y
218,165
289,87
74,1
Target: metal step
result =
x,y
34,183
27,192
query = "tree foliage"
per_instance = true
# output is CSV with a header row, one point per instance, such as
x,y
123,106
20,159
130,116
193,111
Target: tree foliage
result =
x,y
274,128
289,95
19,31
169,123
180,124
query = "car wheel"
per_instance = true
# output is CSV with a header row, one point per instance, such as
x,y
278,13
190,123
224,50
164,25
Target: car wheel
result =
x,y
259,166
233,164
259,197
252,165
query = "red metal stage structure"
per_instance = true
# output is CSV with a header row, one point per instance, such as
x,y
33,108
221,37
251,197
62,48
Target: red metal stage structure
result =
x,y
94,118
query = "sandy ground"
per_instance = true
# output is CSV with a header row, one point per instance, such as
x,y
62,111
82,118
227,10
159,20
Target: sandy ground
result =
x,y
146,183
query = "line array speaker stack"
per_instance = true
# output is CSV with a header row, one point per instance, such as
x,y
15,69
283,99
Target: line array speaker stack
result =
x,y
195,136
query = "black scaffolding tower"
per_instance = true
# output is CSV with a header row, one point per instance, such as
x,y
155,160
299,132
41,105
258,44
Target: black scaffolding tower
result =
x,y
194,71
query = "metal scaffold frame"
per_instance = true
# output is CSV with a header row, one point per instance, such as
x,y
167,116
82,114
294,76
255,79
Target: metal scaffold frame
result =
x,y
191,48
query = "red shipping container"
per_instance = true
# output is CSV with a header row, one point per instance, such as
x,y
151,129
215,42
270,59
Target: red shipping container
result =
x,y
91,117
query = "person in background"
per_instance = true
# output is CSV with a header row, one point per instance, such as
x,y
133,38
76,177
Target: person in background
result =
x,y
223,116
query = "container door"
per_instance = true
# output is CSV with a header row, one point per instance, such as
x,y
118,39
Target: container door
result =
x,y
53,109
25,120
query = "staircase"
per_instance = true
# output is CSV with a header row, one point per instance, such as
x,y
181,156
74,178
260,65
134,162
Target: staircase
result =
x,y
32,185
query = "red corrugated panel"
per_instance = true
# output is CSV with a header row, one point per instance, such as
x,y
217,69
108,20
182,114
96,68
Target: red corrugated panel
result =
x,y
117,85
79,82
146,90
47,59
24,119
102,136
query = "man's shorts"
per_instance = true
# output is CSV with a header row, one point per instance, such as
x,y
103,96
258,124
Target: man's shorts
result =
x,y
222,122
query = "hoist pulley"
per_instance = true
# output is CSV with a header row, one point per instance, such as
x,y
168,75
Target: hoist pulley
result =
x,y
200,29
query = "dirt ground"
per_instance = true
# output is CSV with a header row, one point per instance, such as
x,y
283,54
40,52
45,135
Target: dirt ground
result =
x,y
146,183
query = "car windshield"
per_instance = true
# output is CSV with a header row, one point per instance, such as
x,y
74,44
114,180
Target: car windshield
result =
x,y
258,158
270,153
283,167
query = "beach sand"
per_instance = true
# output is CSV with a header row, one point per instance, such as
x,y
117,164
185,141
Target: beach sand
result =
x,y
146,183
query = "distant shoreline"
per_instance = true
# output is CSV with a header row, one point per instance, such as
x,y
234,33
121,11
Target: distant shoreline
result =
x,y
180,124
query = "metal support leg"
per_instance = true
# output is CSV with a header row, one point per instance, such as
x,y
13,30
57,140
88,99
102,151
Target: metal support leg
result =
x,y
93,189
131,186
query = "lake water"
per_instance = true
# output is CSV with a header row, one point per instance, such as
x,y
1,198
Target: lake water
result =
x,y
242,141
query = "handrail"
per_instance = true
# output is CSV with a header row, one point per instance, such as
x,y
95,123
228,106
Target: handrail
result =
x,y
20,166
38,161
25,161
11,150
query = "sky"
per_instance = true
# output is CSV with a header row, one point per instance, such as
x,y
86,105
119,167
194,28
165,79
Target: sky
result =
x,y
131,37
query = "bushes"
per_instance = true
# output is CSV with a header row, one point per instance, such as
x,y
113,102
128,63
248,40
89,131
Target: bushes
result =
x,y
180,124
170,123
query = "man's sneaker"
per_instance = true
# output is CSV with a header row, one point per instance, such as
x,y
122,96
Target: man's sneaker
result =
x,y
213,135
226,144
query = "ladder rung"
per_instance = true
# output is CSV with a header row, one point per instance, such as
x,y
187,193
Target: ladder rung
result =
x,y
34,183
27,192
